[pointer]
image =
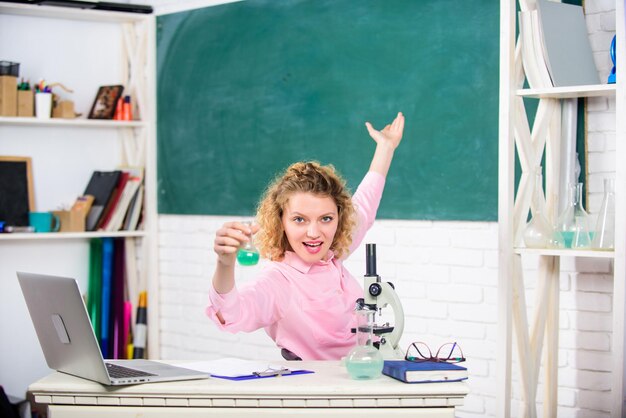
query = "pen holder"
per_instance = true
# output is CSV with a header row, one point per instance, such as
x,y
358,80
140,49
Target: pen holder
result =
x,y
71,220
26,103
64,109
43,105
8,95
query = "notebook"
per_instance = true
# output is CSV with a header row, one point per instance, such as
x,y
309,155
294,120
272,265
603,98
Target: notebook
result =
x,y
69,344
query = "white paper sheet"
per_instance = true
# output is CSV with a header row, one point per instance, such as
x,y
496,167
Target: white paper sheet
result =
x,y
231,367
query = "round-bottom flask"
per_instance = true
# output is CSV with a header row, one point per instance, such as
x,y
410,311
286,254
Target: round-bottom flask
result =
x,y
364,361
538,232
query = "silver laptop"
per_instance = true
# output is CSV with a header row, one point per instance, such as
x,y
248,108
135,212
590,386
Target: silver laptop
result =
x,y
69,343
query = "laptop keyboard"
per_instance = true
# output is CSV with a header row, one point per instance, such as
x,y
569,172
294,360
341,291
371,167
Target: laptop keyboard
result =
x,y
120,372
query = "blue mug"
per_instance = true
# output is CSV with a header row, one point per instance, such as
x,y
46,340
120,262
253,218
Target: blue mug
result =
x,y
44,221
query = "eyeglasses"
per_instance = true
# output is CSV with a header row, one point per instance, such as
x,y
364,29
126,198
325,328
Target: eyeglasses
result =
x,y
447,353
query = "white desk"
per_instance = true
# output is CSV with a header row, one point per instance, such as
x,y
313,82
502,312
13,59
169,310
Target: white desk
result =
x,y
329,391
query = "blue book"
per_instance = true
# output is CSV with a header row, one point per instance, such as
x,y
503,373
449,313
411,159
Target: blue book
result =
x,y
424,372
107,278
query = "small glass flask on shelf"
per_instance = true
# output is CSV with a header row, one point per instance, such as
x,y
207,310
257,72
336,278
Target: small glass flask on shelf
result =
x,y
538,232
573,220
604,234
582,238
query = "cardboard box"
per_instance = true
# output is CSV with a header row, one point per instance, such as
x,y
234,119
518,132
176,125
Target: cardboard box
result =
x,y
64,109
71,220
8,95
26,103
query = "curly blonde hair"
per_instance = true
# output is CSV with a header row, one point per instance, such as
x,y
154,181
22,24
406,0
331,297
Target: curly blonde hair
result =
x,y
308,177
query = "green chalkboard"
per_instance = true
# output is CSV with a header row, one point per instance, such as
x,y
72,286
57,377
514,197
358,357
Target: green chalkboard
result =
x,y
246,88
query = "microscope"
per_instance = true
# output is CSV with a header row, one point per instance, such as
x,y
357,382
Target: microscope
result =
x,y
379,294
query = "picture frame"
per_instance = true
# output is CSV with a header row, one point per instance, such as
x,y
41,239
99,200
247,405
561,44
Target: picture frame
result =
x,y
16,190
106,101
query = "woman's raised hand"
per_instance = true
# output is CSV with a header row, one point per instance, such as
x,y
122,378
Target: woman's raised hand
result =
x,y
390,134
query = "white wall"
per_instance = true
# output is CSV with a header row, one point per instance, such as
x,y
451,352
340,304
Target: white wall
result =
x,y
445,274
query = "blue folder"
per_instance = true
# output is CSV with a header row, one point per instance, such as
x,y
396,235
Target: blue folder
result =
x,y
107,277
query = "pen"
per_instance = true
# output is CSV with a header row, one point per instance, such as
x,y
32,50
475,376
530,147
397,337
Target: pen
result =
x,y
24,85
272,372
11,229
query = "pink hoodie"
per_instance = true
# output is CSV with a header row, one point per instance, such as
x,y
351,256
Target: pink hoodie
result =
x,y
305,308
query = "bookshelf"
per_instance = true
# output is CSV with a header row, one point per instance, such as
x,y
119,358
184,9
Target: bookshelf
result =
x,y
541,332
68,13
77,123
601,90
72,235
565,252
83,49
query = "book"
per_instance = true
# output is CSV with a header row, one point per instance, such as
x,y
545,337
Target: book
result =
x,y
133,215
113,201
94,293
538,47
101,186
117,342
528,56
121,208
533,62
424,372
105,305
567,49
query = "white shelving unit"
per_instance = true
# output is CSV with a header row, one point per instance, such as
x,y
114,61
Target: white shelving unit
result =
x,y
77,123
512,312
601,90
72,235
64,148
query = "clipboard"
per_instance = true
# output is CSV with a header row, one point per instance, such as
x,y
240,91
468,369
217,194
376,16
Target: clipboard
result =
x,y
269,372
238,369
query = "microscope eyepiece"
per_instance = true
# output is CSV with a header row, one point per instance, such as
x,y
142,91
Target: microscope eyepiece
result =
x,y
370,259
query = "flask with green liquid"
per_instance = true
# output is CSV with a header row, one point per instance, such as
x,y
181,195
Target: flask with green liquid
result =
x,y
248,255
364,361
572,228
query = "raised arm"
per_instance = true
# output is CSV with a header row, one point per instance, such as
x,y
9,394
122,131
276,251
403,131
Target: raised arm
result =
x,y
387,140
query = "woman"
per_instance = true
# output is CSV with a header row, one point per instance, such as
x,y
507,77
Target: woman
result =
x,y
303,297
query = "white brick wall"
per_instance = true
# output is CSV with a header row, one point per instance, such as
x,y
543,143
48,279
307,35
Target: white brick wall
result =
x,y
445,274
